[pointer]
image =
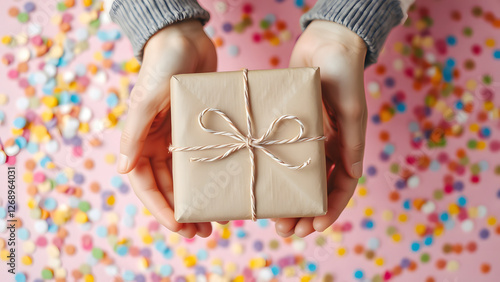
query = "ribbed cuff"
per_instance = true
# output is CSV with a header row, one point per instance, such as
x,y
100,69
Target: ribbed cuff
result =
x,y
372,20
141,19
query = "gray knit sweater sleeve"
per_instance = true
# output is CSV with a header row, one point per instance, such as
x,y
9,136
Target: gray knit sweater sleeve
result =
x,y
141,19
372,20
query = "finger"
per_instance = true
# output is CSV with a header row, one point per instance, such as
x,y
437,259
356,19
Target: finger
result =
x,y
204,229
304,227
140,116
285,225
287,234
145,187
342,187
188,230
223,222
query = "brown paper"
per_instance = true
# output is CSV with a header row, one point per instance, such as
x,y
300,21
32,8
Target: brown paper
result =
x,y
220,190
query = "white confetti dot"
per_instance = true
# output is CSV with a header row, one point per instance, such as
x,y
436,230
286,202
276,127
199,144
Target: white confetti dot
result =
x,y
95,93
233,50
299,245
34,29
12,150
413,181
467,225
22,103
3,157
428,207
220,7
481,211
69,76
265,274
29,247
85,114
41,226
52,146
3,225
373,87
23,55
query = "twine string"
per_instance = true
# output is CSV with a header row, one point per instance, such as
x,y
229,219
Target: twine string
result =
x,y
247,141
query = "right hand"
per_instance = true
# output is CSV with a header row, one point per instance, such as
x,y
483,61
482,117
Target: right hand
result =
x,y
179,48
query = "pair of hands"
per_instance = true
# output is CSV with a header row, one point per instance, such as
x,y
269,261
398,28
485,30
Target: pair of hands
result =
x,y
185,48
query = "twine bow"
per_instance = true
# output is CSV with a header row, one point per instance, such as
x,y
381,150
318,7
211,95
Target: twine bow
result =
x,y
247,141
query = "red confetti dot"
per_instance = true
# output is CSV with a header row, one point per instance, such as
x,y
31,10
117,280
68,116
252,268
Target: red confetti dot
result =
x,y
247,8
476,49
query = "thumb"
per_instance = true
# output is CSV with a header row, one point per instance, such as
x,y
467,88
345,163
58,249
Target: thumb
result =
x,y
139,119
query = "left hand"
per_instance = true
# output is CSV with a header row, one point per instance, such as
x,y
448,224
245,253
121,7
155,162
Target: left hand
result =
x,y
340,54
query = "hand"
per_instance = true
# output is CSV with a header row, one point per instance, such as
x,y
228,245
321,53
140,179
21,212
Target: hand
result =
x,y
340,54
179,48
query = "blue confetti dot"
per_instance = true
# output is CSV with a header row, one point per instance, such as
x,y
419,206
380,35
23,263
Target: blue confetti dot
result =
x,y
406,204
166,270
401,107
444,216
20,277
485,132
275,270
168,253
3,212
451,40
233,50
263,223
122,250
389,82
311,267
450,62
101,231
428,240
128,275
240,233
50,204
358,274
202,254
131,210
415,246
116,181
112,100
299,3
414,127
496,54
462,201
19,122
23,233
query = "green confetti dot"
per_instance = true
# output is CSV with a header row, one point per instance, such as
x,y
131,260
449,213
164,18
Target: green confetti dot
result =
x,y
487,80
464,161
84,206
438,194
471,144
377,278
475,169
47,273
95,23
394,168
85,269
97,253
320,241
274,244
391,230
477,11
425,257
23,17
61,7
264,24
497,170
428,21
239,27
362,180
467,31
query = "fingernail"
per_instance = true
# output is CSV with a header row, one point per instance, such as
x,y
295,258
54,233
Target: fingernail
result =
x,y
357,169
122,163
318,227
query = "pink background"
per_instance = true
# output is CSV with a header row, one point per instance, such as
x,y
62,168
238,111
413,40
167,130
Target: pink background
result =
x,y
254,55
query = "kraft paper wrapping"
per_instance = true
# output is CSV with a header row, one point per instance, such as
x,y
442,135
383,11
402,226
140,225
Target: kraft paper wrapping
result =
x,y
220,190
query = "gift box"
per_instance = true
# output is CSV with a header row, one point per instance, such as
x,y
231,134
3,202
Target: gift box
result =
x,y
248,145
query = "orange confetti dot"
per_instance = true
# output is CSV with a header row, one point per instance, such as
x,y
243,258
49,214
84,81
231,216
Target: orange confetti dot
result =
x,y
274,61
471,247
30,91
280,25
430,279
380,69
440,264
23,67
69,249
394,196
218,42
457,248
485,268
384,136
412,266
76,274
13,11
32,190
88,164
358,249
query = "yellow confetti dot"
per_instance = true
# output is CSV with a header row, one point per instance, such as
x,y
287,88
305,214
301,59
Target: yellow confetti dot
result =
x,y
305,278
453,209
88,278
490,42
438,231
28,177
474,127
110,158
81,217
216,261
452,266
143,263
226,233
379,261
110,200
87,3
387,215
491,220
362,191
488,106
2,243
26,260
368,212
481,145
132,66
402,217
420,229
289,271
147,239
190,261
17,132
337,236
257,263
471,84
398,47
239,278
396,237
341,251
6,40
3,254
84,127
182,252
50,101
145,211
231,267
47,116
275,41
174,239
351,203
